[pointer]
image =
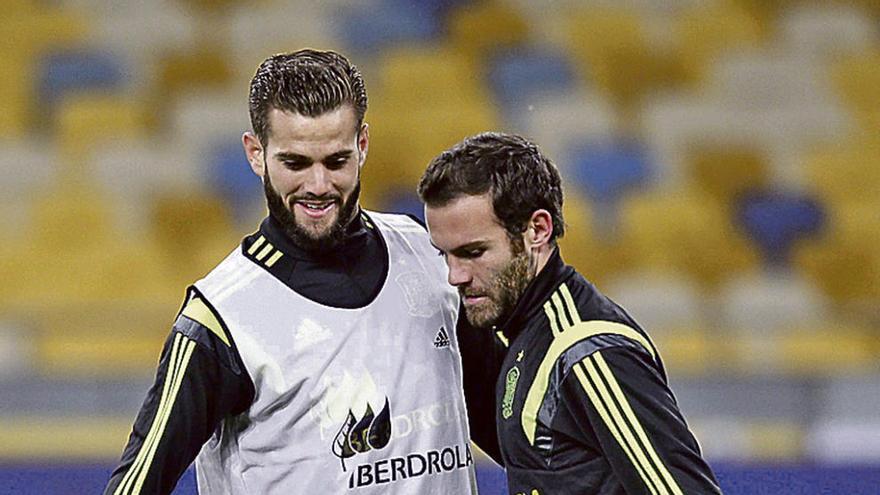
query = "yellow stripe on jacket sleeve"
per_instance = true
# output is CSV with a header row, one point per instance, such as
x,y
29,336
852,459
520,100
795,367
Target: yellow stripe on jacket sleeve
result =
x,y
198,311
571,336
606,417
637,426
181,351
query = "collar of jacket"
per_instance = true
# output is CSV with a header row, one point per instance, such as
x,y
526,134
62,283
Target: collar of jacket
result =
x,y
356,236
539,290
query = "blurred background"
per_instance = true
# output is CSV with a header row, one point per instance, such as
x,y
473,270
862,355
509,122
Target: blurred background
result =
x,y
722,160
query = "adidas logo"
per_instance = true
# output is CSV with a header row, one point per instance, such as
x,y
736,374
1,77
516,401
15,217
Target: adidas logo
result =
x,y
442,339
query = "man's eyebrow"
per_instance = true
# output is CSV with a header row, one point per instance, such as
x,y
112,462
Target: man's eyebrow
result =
x,y
338,154
459,250
289,156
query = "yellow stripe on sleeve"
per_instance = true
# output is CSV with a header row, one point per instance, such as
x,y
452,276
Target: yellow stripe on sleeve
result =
x,y
197,310
628,435
189,347
551,317
637,426
125,484
615,432
181,352
560,344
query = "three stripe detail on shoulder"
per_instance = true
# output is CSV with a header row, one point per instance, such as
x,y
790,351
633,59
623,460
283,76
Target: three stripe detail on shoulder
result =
x,y
568,329
181,352
604,392
264,252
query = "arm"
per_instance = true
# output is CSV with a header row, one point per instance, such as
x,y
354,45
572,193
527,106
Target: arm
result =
x,y
200,381
482,354
617,397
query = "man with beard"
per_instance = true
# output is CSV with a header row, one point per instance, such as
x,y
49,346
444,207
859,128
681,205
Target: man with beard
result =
x,y
317,357
578,390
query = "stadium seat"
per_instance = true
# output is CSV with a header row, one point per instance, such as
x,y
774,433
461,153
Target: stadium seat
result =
x,y
193,231
614,49
232,179
845,172
259,31
662,302
477,29
16,94
556,121
685,231
856,78
367,30
776,220
827,31
845,260
770,302
726,172
520,76
76,71
704,32
413,76
86,121
606,171
200,67
404,201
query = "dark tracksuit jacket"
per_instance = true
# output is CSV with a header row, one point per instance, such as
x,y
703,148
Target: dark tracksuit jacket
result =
x,y
581,400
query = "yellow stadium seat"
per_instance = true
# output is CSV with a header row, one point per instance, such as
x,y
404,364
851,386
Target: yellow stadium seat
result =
x,y
597,257
687,351
704,33
84,121
16,93
414,76
409,137
847,171
845,261
614,50
33,31
857,80
687,232
476,29
193,231
724,171
198,68
833,349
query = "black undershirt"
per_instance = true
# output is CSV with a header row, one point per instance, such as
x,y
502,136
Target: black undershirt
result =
x,y
349,276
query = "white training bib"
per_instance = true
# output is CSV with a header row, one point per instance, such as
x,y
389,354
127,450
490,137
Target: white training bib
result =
x,y
365,400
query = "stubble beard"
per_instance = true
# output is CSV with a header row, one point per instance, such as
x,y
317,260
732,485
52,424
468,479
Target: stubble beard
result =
x,y
313,242
508,285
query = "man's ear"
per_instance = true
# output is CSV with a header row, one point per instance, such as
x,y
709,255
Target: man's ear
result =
x,y
363,143
253,149
539,230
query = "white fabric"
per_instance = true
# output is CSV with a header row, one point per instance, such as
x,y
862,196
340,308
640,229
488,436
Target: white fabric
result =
x,y
315,366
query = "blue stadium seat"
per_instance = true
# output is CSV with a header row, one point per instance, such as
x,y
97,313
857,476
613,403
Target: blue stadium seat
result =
x,y
775,220
233,179
605,171
369,30
608,169
403,201
69,71
518,75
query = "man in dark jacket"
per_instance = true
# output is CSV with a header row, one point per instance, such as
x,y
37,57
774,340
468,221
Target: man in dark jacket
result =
x,y
581,400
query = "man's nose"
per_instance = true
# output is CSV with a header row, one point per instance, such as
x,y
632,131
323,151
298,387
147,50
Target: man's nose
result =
x,y
459,274
318,180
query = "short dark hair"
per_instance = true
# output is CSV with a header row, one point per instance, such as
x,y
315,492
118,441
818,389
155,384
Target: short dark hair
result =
x,y
308,82
512,169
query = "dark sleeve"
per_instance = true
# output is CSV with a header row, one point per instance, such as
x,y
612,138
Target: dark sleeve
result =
x,y
482,354
200,381
617,397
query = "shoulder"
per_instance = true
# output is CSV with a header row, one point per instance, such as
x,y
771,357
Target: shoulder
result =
x,y
396,221
200,321
583,321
